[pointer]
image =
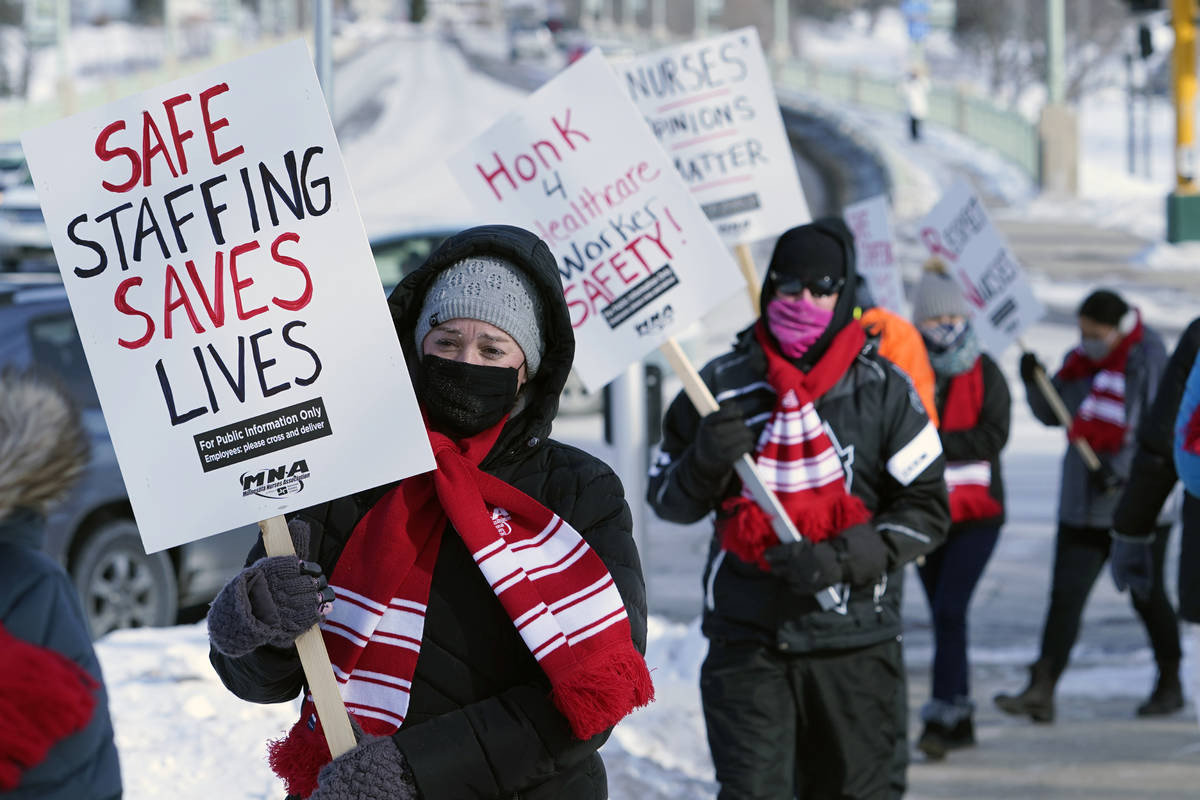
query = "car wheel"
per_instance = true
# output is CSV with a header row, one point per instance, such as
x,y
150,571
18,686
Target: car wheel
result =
x,y
121,586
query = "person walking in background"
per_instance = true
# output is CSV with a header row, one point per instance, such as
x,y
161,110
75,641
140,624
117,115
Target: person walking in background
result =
x,y
1106,383
1167,452
489,617
915,89
56,737
800,701
974,407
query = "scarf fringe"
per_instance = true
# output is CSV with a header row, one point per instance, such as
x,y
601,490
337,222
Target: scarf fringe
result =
x,y
746,530
44,698
600,693
973,503
298,757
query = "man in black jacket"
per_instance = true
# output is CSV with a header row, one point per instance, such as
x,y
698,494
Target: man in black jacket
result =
x,y
480,722
800,701
1136,521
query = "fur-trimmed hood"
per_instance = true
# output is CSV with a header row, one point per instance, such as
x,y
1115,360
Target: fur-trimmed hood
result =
x,y
43,448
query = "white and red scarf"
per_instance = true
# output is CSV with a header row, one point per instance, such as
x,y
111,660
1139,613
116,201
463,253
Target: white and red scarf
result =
x,y
969,482
795,457
557,591
1101,418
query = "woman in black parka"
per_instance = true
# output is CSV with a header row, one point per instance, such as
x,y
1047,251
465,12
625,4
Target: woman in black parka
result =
x,y
471,713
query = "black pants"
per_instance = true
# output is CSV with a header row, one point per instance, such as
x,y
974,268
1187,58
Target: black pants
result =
x,y
914,128
950,575
812,726
1079,555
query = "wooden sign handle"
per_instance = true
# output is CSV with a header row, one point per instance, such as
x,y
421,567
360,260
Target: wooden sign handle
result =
x,y
753,284
313,656
1090,459
698,392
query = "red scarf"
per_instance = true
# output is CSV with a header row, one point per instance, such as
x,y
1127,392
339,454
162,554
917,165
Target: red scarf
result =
x,y
44,698
969,482
795,457
557,591
1101,417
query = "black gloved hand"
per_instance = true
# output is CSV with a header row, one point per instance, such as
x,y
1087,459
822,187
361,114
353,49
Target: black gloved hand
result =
x,y
862,554
1029,366
1105,481
722,439
1133,565
808,568
375,769
272,601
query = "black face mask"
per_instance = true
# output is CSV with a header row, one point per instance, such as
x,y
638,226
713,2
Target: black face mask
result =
x,y
465,399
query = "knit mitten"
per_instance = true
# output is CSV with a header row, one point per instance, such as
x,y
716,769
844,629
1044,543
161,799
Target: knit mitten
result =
x,y
374,770
272,601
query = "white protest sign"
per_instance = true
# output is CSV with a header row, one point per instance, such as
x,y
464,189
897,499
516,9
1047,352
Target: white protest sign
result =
x,y
638,259
712,106
1001,301
876,263
227,299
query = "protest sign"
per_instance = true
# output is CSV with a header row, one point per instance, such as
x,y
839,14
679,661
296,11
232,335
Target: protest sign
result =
x,y
960,233
576,164
227,299
876,263
712,106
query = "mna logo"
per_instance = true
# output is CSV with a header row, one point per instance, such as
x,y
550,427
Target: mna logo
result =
x,y
276,482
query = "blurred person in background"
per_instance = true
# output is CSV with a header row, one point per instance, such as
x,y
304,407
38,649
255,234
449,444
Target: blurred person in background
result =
x,y
915,89
800,700
1106,382
974,407
56,737
490,616
1168,451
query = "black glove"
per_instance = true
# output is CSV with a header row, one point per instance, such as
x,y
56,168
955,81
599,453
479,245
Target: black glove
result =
x,y
1133,566
1105,481
863,555
1029,366
374,770
722,439
272,601
808,568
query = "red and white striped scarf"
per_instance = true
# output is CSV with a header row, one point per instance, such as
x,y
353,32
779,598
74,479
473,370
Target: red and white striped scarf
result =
x,y
795,457
969,482
557,591
1101,418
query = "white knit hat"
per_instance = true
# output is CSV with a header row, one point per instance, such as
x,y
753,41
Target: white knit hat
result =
x,y
491,290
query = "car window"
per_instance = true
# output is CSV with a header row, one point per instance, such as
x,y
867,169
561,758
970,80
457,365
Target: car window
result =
x,y
55,346
397,259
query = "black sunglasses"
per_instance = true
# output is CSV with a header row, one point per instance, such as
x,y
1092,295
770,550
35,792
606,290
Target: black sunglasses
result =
x,y
819,287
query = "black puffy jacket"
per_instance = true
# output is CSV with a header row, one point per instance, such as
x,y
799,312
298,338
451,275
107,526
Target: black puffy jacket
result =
x,y
1153,476
892,457
480,723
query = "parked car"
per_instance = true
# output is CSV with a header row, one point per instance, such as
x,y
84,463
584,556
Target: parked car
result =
x,y
24,237
529,38
12,164
93,534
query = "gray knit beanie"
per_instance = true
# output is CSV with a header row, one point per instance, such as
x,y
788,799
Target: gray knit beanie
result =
x,y
937,294
491,290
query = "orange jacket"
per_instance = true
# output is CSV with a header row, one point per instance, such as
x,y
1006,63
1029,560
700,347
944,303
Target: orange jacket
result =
x,y
900,342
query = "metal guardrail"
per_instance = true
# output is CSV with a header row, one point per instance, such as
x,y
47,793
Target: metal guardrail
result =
x,y
1007,132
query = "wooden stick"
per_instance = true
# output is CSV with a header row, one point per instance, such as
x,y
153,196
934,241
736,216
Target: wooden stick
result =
x,y
1090,459
753,284
698,392
313,656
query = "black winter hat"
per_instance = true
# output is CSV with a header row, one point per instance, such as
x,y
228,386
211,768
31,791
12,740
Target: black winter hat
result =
x,y
1105,307
809,252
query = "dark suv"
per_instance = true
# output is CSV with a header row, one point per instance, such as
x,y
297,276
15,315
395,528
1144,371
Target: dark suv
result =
x,y
93,534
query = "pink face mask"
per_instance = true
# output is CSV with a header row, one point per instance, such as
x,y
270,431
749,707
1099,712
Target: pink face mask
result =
x,y
796,324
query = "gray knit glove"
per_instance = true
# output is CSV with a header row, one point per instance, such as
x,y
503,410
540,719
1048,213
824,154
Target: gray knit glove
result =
x,y
374,770
272,601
